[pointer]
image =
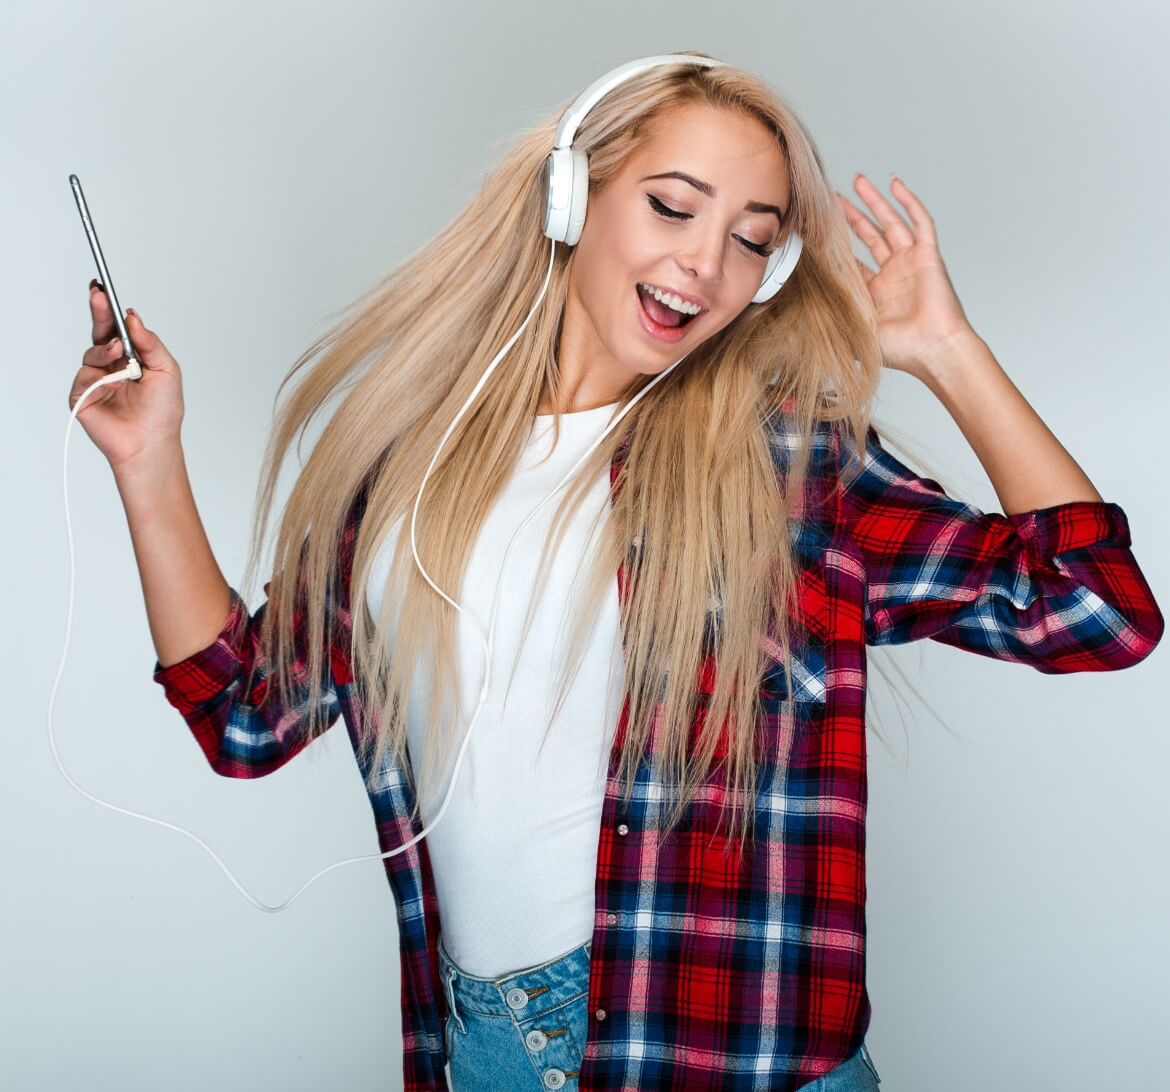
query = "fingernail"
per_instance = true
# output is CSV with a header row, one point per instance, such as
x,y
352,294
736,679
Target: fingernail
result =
x,y
95,283
131,311
113,341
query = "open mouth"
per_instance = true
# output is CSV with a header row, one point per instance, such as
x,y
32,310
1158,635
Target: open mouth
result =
x,y
660,313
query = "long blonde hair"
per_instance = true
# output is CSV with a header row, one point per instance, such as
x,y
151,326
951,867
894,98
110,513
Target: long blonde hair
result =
x,y
712,514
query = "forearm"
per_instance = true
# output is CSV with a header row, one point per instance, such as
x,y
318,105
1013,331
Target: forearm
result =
x,y
1026,463
187,598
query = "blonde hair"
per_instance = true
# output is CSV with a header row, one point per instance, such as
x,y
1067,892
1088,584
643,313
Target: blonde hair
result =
x,y
712,511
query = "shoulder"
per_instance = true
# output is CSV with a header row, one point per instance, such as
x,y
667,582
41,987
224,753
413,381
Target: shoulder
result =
x,y
786,440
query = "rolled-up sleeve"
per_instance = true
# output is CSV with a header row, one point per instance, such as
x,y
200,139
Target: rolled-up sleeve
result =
x,y
1057,588
244,728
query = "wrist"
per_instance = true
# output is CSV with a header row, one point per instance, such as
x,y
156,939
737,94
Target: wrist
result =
x,y
954,356
152,468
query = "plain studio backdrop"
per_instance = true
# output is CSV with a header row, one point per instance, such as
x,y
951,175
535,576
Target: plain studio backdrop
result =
x,y
251,169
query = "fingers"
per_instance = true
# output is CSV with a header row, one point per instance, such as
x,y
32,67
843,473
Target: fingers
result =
x,y
87,376
103,356
149,347
921,219
866,231
151,351
893,234
897,233
101,313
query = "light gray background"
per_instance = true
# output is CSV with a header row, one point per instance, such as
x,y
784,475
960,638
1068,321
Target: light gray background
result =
x,y
251,169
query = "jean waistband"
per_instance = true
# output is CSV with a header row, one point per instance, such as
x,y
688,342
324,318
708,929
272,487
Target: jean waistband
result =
x,y
524,994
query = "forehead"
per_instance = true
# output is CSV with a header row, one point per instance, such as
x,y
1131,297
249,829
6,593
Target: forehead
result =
x,y
724,147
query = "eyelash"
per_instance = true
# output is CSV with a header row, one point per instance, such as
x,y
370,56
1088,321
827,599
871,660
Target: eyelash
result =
x,y
674,214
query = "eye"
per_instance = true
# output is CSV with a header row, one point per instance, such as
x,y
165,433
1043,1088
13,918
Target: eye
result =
x,y
666,211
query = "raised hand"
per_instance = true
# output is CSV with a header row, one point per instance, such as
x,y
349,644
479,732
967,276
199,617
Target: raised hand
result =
x,y
917,308
133,418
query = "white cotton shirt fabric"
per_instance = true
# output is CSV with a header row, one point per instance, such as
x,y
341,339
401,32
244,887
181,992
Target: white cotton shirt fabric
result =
x,y
515,854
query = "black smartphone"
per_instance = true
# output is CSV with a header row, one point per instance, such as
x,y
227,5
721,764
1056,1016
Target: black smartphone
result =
x,y
133,365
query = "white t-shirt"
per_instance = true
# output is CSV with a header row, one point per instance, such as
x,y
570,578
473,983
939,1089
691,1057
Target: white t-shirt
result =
x,y
515,854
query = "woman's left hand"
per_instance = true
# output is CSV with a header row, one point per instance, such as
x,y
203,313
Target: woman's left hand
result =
x,y
918,313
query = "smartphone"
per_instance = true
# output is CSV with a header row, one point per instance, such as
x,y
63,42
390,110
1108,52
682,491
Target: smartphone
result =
x,y
133,365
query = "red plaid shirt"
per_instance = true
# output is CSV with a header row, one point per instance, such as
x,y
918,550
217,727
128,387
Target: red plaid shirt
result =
x,y
705,975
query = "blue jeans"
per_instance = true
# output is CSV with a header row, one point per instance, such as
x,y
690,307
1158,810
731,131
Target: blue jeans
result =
x,y
526,1030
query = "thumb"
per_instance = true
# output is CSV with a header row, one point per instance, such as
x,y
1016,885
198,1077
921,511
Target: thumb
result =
x,y
151,350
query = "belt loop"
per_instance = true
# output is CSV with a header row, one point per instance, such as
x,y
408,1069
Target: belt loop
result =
x,y
448,985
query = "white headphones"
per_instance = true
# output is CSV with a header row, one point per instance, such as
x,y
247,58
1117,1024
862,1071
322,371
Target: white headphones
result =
x,y
567,173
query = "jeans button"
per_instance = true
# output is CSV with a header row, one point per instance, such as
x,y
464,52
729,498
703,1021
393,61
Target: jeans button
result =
x,y
536,1039
554,1078
517,998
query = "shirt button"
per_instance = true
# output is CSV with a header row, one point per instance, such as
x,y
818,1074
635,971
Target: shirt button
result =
x,y
600,1014
623,830
611,919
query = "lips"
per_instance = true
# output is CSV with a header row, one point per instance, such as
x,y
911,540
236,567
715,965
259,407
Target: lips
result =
x,y
655,329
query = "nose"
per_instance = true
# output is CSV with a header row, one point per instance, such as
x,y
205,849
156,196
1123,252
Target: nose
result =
x,y
703,258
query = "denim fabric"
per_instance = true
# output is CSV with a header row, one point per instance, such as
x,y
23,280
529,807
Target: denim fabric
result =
x,y
526,1030
855,1074
523,1031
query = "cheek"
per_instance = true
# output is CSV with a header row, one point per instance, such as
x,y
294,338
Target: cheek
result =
x,y
605,276
623,244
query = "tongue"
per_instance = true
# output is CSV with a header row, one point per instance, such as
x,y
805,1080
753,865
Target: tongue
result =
x,y
659,312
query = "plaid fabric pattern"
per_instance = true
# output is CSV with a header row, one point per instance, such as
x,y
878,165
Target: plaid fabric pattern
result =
x,y
708,972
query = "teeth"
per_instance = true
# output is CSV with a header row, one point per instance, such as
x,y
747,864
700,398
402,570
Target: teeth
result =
x,y
671,300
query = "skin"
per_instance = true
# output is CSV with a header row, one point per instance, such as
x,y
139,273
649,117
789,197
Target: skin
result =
x,y
624,240
923,331
921,325
918,312
922,328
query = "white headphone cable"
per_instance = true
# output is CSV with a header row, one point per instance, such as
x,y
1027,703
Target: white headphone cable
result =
x,y
120,377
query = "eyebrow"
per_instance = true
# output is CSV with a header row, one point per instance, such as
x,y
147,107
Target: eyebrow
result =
x,y
709,190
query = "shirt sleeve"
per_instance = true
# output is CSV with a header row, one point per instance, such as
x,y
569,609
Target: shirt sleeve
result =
x,y
248,732
1056,588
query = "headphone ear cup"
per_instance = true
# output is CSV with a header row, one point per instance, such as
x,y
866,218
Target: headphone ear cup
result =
x,y
768,286
566,193
781,263
579,198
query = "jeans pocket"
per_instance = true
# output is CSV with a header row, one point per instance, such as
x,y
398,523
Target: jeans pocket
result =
x,y
869,1063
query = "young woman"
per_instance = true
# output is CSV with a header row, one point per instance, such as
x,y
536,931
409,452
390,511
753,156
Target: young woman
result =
x,y
651,871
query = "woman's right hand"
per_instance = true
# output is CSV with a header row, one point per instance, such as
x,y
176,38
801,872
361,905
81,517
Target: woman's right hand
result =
x,y
133,418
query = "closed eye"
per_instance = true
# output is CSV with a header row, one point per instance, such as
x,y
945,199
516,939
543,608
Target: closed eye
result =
x,y
667,212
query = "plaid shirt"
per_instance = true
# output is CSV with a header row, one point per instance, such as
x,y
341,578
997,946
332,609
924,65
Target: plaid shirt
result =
x,y
705,975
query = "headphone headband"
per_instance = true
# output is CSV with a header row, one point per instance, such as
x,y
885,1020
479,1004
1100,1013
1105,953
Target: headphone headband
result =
x,y
602,86
567,171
